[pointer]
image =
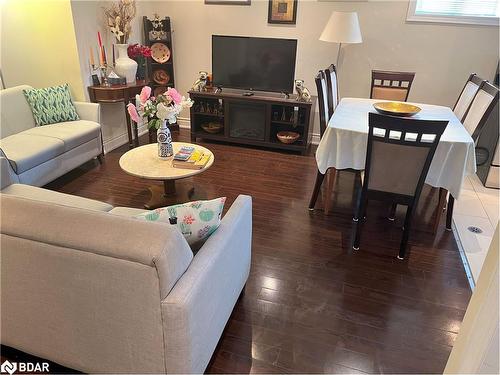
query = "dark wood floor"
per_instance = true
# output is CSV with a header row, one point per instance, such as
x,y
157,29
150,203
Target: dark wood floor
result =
x,y
311,305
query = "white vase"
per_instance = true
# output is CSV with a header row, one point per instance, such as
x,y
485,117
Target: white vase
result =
x,y
124,65
164,138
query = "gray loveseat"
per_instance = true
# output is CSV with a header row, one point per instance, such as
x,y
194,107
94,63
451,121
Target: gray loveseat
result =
x,y
89,287
40,154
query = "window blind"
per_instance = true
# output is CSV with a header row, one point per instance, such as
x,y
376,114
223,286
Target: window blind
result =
x,y
467,8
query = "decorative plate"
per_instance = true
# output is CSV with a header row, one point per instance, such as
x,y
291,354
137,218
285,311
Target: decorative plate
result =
x,y
287,137
396,108
161,77
160,53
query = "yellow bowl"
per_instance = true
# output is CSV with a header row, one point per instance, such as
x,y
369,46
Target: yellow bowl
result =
x,y
396,108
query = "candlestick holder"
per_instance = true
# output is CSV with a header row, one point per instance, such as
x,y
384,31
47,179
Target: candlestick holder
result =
x,y
103,68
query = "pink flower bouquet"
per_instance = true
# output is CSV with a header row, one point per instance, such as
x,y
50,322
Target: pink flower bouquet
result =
x,y
155,110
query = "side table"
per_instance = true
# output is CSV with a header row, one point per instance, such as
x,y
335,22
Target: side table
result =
x,y
120,93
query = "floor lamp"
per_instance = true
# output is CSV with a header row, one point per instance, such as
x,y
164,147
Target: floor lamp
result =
x,y
342,27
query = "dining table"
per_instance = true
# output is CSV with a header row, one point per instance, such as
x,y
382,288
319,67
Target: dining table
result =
x,y
343,145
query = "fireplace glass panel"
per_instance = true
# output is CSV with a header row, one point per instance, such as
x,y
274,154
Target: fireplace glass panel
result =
x,y
247,121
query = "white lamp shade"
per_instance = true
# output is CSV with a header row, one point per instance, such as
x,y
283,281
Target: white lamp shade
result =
x,y
342,27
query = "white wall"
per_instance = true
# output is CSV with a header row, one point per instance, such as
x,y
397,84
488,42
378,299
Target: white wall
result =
x,y
443,56
476,347
88,18
38,46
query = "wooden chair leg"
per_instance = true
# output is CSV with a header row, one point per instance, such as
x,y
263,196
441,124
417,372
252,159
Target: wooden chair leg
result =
x,y
449,212
392,212
331,178
406,232
317,186
439,209
359,221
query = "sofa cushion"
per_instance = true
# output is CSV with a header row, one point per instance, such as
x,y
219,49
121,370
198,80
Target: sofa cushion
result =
x,y
51,104
72,133
16,114
49,196
26,151
196,220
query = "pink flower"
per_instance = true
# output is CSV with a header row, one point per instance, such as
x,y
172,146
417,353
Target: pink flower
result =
x,y
132,111
176,97
145,94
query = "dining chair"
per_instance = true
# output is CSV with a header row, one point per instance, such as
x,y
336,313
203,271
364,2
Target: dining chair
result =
x,y
483,103
391,85
324,117
398,156
466,95
322,89
480,109
333,88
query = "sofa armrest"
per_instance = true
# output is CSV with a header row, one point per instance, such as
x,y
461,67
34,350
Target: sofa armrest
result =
x,y
198,307
7,176
88,111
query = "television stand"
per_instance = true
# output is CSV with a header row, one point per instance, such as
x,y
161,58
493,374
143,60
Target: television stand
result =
x,y
251,120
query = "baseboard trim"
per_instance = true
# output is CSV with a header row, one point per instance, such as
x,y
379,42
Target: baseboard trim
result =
x,y
122,139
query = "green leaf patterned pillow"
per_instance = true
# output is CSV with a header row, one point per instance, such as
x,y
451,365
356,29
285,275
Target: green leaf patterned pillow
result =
x,y
51,104
196,220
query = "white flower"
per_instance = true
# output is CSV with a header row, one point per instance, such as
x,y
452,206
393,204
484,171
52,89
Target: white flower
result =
x,y
162,111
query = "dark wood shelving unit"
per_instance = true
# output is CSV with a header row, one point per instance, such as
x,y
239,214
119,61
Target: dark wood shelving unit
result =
x,y
153,66
252,120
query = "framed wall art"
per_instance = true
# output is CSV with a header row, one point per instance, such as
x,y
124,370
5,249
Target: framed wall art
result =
x,y
282,12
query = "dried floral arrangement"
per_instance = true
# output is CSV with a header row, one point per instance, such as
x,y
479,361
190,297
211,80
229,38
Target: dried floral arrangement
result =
x,y
119,18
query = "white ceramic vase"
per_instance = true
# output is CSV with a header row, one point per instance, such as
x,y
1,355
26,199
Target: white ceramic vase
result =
x,y
124,65
164,138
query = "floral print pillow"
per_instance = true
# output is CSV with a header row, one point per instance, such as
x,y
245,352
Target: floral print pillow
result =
x,y
196,220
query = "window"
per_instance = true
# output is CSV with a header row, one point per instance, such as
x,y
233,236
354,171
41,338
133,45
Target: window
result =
x,y
478,12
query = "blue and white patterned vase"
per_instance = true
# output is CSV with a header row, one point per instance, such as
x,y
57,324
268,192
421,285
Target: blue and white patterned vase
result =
x,y
164,137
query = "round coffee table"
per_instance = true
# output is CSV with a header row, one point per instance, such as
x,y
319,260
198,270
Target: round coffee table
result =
x,y
144,162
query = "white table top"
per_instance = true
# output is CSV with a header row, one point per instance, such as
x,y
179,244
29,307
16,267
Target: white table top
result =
x,y
144,162
344,143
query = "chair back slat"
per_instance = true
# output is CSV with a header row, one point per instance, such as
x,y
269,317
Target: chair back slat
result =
x,y
398,162
391,85
480,109
466,95
333,88
321,88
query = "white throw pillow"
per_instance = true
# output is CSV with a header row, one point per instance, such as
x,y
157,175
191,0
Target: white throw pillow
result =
x,y
196,220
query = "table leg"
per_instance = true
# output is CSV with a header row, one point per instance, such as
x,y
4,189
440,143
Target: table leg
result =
x,y
170,194
169,187
129,127
449,212
136,135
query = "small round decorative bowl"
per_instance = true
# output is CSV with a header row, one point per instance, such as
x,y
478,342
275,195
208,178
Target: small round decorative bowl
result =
x,y
287,137
396,109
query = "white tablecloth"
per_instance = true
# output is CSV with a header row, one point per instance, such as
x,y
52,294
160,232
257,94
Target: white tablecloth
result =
x,y
344,143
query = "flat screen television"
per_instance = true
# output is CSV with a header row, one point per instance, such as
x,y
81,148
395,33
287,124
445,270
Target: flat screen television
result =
x,y
263,64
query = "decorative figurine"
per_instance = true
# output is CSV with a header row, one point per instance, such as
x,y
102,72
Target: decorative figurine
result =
x,y
201,82
303,93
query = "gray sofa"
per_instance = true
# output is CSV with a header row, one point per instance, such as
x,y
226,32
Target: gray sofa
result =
x,y
40,154
89,287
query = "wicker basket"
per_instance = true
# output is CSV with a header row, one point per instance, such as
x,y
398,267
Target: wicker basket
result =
x,y
287,137
212,127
